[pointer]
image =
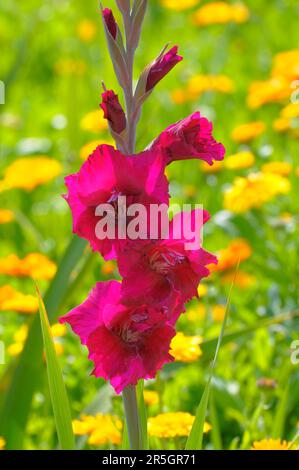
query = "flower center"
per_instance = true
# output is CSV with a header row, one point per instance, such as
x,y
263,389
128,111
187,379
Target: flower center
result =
x,y
164,261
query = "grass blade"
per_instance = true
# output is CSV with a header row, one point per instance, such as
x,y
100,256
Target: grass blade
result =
x,y
194,441
142,415
59,399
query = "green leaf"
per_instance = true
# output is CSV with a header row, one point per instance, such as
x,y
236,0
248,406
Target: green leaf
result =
x,y
59,399
142,415
15,408
194,441
282,407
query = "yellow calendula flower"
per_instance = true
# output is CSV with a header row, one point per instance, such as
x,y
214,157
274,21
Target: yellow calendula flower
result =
x,y
218,313
185,348
210,169
286,64
247,132
239,161
86,30
34,265
2,443
196,313
11,299
102,429
273,90
279,168
30,172
237,251
220,13
271,444
151,397
6,216
202,290
290,111
179,5
67,66
58,330
20,337
94,122
203,83
254,191
167,425
90,147
281,124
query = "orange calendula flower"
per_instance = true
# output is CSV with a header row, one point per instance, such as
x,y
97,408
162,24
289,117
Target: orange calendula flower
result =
x,y
34,265
88,148
11,299
86,30
247,132
101,429
151,397
168,425
210,169
179,5
281,125
290,111
286,64
6,216
94,122
20,337
239,161
199,84
185,348
254,191
220,13
218,313
271,444
238,250
279,168
29,172
241,279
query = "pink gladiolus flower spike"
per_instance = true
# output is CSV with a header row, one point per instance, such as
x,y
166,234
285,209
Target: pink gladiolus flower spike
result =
x,y
189,138
154,269
126,343
103,178
162,66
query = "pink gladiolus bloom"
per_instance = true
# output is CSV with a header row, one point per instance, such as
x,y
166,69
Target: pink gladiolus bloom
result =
x,y
126,343
110,22
153,270
103,178
113,111
162,66
190,138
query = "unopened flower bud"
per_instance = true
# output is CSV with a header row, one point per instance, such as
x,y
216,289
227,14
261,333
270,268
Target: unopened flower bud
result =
x,y
113,111
110,22
161,66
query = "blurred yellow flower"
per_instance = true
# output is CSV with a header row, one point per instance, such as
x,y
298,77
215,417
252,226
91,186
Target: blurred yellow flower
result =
x,y
290,111
242,279
215,168
271,444
268,91
199,84
102,429
29,172
173,425
68,66
218,313
179,5
221,13
281,124
247,132
21,334
279,168
151,397
196,313
6,216
108,268
94,122
86,30
254,190
190,190
34,265
238,250
11,299
88,148
239,161
2,443
286,64
185,348
202,290
58,330
20,337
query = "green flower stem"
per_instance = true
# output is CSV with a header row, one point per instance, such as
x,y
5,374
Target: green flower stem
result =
x,y
132,417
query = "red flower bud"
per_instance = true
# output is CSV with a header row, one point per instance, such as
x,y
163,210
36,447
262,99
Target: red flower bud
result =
x,y
110,22
161,66
113,111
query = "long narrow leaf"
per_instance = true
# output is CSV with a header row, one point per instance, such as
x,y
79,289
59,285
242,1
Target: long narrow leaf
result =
x,y
142,415
59,399
194,441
